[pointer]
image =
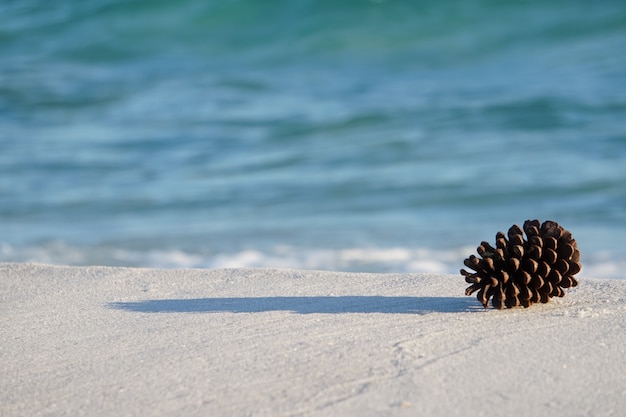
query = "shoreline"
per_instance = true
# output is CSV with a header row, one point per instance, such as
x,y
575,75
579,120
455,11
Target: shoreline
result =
x,y
264,342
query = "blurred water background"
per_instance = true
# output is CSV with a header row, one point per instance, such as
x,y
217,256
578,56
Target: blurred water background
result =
x,y
385,136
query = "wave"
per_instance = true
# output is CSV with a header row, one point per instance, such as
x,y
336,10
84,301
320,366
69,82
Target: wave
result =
x,y
602,264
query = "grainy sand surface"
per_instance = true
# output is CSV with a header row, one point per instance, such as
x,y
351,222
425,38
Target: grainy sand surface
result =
x,y
96,341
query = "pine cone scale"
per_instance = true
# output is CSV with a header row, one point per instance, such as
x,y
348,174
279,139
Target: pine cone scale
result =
x,y
550,256
574,268
562,266
566,252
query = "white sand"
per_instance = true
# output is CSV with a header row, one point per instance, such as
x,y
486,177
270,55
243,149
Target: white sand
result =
x,y
141,342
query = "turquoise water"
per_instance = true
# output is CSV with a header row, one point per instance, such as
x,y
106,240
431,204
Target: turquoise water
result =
x,y
356,135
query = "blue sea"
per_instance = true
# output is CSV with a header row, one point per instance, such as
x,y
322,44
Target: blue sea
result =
x,y
375,136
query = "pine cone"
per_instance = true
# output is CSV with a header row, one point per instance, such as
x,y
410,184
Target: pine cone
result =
x,y
521,272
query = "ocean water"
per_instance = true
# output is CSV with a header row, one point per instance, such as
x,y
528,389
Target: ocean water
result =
x,y
386,136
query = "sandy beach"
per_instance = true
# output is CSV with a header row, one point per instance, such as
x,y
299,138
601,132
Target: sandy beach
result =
x,y
97,341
